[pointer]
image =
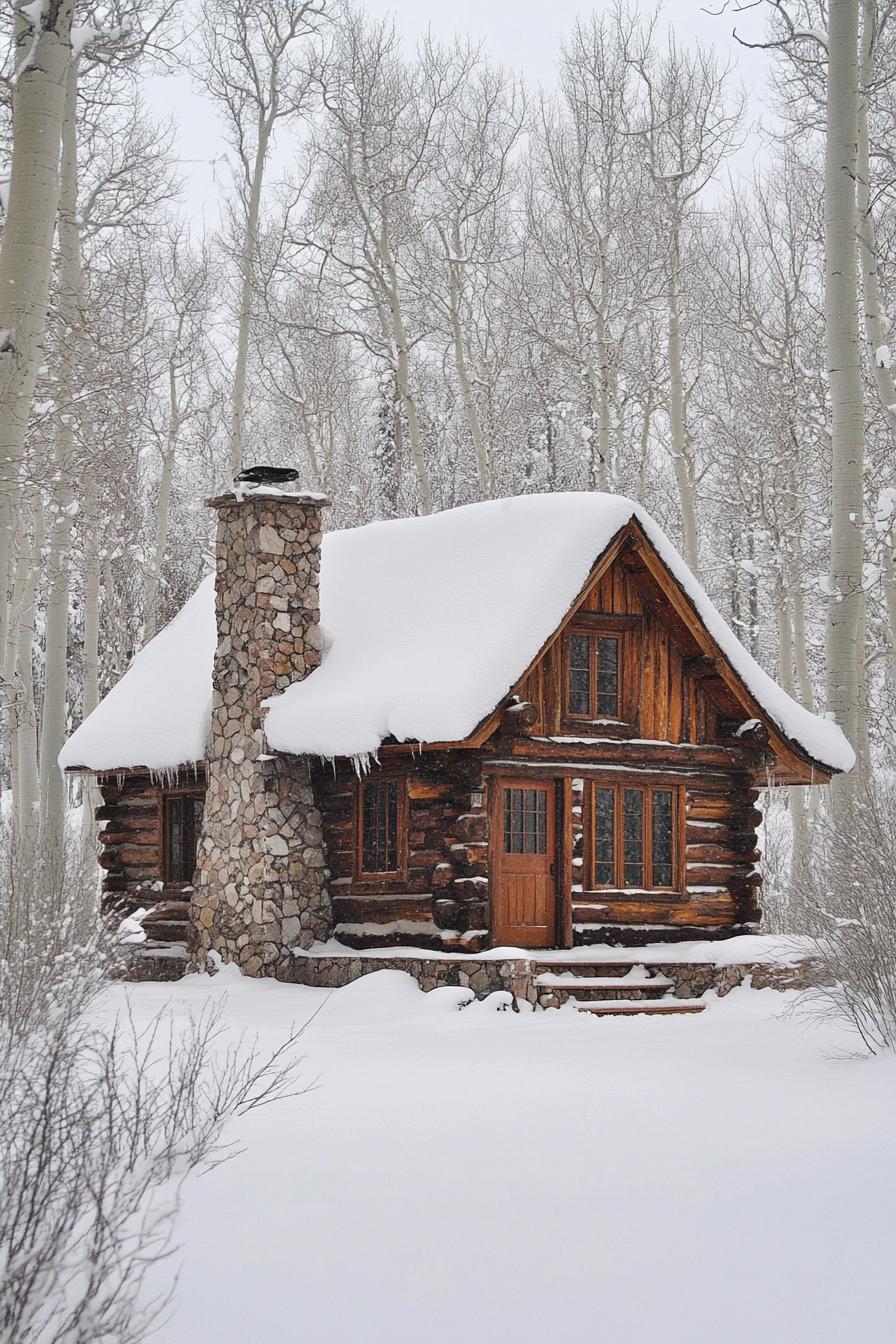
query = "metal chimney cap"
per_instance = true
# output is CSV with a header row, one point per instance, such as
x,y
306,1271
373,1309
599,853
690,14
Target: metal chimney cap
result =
x,y
264,475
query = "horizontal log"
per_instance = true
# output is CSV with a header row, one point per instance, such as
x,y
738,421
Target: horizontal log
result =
x,y
709,875
381,909
428,788
716,831
425,858
700,810
126,836
473,826
708,853
726,760
167,910
701,912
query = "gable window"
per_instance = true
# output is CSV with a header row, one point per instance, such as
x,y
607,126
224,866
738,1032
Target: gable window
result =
x,y
593,672
382,826
182,826
634,836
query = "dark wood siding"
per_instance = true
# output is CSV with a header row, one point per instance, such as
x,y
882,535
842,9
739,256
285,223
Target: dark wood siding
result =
x,y
132,852
442,899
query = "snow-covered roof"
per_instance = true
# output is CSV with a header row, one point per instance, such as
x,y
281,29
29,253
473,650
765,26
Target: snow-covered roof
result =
x,y
427,623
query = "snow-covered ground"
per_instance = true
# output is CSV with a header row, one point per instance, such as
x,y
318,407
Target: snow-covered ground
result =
x,y
482,1175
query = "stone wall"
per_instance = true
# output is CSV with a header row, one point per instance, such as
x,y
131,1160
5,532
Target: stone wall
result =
x,y
260,880
484,976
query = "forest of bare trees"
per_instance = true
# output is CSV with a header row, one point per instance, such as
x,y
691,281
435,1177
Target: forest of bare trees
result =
x,y
432,284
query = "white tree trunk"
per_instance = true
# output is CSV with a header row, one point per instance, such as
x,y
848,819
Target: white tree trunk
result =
x,y
409,406
844,359
70,305
480,445
26,246
154,572
90,690
644,459
876,337
804,680
23,717
247,280
681,458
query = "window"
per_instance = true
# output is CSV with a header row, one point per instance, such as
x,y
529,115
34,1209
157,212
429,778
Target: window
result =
x,y
182,828
382,826
593,670
634,841
525,821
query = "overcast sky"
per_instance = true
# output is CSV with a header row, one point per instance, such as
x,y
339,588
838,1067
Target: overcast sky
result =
x,y
523,34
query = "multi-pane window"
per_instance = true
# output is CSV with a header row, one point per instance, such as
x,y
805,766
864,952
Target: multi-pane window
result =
x,y
380,826
183,826
593,676
525,821
634,842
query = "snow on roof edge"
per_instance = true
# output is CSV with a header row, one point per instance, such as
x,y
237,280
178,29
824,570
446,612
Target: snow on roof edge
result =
x,y
162,703
813,735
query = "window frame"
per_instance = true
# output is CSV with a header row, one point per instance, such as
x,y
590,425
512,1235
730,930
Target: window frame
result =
x,y
596,626
538,832
167,796
618,784
361,874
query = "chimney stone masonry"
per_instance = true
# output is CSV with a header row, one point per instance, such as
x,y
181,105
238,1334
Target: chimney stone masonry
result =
x,y
260,885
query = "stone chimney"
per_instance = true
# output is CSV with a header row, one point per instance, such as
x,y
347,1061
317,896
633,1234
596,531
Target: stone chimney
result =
x,y
260,881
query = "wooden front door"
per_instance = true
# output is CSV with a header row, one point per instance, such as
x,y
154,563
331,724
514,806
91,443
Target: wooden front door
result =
x,y
524,888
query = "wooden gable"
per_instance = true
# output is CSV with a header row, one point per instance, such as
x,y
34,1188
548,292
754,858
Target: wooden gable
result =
x,y
681,688
687,691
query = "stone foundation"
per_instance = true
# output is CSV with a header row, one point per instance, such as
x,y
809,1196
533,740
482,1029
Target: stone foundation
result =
x,y
260,885
484,976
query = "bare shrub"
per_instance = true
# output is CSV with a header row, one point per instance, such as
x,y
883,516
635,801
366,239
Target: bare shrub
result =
x,y
102,1122
50,932
849,900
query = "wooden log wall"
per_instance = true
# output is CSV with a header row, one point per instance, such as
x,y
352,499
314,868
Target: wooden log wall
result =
x,y
440,901
720,858
130,842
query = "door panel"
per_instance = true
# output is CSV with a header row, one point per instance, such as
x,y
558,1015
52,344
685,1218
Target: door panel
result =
x,y
524,894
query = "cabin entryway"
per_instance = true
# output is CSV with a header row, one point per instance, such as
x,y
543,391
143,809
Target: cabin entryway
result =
x,y
523,867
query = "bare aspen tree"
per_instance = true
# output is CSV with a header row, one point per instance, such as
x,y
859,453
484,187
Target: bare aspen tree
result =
x,y
377,141
252,68
591,227
822,46
182,313
688,126
42,54
469,203
100,192
844,354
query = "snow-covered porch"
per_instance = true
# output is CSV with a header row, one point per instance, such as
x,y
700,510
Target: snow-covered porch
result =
x,y
657,978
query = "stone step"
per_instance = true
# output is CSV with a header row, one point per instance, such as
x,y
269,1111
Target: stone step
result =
x,y
602,988
166,930
154,961
615,968
580,983
620,1007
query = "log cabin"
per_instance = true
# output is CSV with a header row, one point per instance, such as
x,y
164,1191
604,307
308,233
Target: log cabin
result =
x,y
520,723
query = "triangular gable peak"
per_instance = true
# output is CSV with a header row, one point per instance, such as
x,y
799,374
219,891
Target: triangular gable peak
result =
x,y
674,682
681,685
